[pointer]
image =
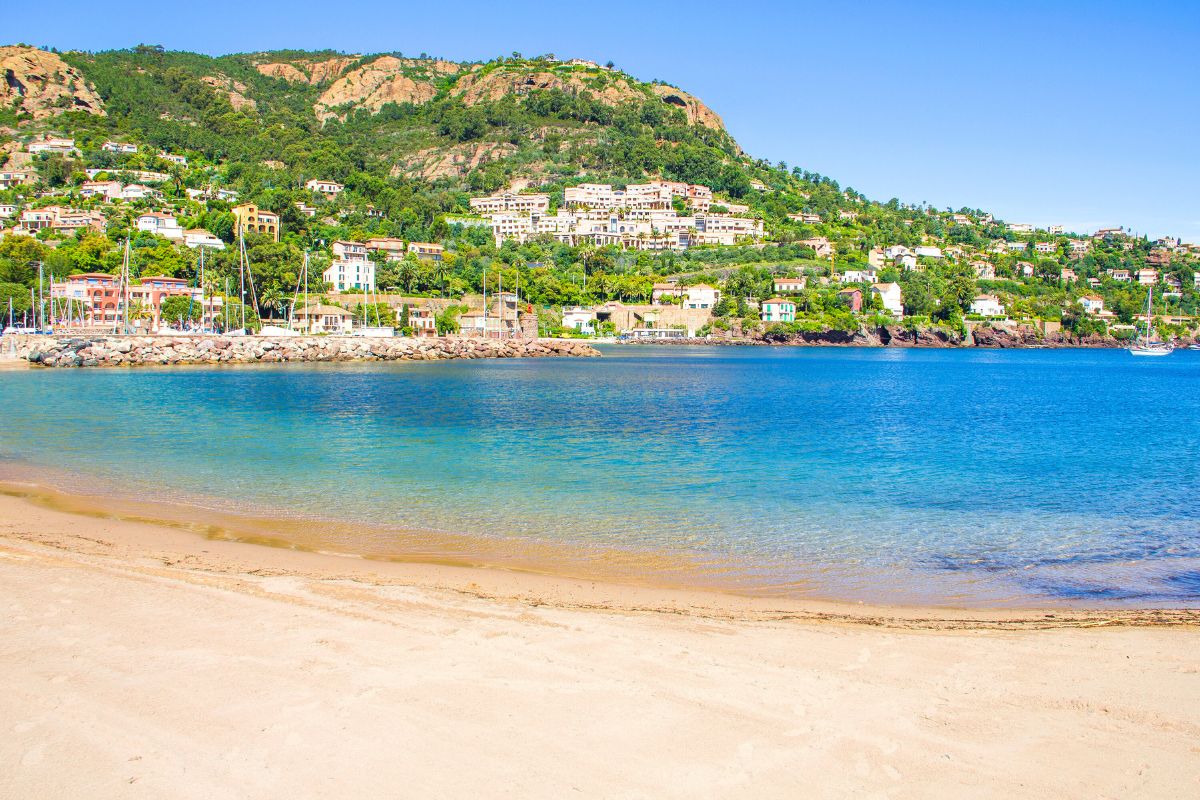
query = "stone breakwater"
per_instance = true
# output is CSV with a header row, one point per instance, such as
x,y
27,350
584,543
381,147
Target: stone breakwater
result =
x,y
113,351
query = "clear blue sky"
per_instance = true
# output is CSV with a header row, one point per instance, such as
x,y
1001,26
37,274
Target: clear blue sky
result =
x,y
1080,113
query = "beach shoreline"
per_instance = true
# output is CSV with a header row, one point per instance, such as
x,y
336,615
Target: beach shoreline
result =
x,y
147,661
132,531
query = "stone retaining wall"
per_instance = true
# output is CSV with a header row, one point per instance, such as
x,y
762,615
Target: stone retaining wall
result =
x,y
112,351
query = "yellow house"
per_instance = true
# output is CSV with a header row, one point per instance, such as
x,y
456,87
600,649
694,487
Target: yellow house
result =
x,y
249,218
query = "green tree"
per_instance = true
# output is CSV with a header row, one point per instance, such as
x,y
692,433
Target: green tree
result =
x,y
178,308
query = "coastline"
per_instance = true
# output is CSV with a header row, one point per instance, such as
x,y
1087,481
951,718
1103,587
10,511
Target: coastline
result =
x,y
144,661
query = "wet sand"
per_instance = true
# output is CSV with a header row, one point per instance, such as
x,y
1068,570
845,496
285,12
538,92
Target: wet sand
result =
x,y
145,661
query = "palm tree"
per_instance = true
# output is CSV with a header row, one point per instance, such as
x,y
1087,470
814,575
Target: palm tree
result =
x,y
440,271
272,298
407,271
137,311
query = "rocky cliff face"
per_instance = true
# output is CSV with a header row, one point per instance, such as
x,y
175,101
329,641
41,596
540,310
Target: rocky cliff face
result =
x,y
313,73
478,87
43,85
234,90
985,336
697,112
372,86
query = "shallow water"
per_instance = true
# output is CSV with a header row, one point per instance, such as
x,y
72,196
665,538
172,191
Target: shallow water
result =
x,y
946,477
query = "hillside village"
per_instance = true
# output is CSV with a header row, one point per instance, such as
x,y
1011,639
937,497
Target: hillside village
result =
x,y
542,197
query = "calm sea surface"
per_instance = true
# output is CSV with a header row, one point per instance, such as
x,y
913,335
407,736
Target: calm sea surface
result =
x,y
958,477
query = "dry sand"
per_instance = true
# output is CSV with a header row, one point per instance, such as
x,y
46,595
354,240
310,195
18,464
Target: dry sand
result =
x,y
142,661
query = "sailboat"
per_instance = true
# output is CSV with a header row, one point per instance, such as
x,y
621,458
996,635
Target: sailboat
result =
x,y
244,272
1147,345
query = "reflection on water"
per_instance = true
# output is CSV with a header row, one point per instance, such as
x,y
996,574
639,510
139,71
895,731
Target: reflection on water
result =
x,y
934,476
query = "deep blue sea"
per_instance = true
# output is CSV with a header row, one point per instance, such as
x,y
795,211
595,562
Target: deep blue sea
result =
x,y
946,477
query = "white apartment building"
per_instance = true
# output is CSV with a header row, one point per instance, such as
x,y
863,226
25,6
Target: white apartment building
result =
x,y
507,201
350,268
603,197
120,147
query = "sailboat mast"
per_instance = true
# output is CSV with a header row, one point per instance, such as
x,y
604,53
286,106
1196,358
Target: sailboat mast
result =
x,y
242,275
41,301
201,288
128,327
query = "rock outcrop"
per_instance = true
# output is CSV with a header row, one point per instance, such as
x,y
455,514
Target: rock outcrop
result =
x,y
371,86
451,161
112,351
234,90
313,73
492,85
697,112
43,85
1025,336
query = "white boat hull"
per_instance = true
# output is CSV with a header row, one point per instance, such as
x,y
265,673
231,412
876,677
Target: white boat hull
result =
x,y
1149,351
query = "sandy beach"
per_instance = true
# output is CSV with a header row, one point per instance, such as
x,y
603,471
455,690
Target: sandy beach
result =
x,y
144,661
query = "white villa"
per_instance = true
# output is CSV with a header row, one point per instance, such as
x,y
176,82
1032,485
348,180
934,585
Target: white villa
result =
x,y
701,296
891,296
52,145
327,188
323,319
198,237
858,276
986,305
580,320
778,309
161,223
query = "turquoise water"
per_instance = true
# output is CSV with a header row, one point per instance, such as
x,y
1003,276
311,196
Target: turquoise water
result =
x,y
966,477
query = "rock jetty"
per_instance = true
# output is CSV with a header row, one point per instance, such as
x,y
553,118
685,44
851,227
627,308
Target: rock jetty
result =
x,y
114,351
